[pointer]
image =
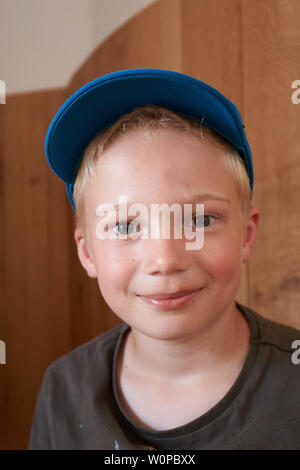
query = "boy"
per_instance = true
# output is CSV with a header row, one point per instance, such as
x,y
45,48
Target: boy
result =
x,y
189,367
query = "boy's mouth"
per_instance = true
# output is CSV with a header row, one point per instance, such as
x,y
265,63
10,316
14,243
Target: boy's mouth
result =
x,y
170,301
171,295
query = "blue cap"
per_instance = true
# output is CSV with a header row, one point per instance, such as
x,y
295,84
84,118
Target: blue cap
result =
x,y
101,102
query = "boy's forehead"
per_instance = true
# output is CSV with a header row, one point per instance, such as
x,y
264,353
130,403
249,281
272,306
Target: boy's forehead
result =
x,y
161,182
185,198
168,153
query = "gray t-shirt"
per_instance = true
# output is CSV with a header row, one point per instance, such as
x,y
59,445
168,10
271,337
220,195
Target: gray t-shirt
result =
x,y
78,405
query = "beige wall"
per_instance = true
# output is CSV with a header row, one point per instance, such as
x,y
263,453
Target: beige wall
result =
x,y
42,42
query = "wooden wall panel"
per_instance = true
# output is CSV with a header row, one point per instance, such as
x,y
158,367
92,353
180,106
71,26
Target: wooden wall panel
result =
x,y
31,302
271,58
249,50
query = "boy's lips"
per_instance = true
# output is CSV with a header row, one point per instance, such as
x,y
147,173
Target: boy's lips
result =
x,y
174,295
170,301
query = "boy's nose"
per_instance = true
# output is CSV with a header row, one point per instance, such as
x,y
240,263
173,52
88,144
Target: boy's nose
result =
x,y
165,256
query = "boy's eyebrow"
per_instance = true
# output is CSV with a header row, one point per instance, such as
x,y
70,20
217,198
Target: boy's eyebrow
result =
x,y
210,196
196,198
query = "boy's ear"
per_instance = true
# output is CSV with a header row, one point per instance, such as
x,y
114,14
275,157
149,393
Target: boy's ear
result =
x,y
84,254
250,233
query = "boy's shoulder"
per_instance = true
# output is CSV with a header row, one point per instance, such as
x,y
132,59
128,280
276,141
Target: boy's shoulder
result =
x,y
96,352
271,332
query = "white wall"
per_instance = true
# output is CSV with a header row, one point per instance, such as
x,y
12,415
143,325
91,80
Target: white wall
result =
x,y
43,42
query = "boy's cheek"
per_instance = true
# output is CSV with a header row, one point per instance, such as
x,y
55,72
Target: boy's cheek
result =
x,y
114,272
221,260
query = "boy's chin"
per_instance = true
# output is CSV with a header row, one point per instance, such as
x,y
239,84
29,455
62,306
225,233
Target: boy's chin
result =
x,y
168,328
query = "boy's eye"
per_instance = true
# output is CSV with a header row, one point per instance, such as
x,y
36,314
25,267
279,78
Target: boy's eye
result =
x,y
203,220
126,228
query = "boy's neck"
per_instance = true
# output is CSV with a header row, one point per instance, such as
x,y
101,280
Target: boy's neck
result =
x,y
224,345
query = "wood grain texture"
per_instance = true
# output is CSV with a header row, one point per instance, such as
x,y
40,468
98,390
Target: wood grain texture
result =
x,y
249,50
31,300
271,57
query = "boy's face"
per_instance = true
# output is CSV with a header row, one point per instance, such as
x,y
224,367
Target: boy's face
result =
x,y
170,168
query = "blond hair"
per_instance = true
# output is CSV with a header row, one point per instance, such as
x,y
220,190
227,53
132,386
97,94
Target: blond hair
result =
x,y
149,118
